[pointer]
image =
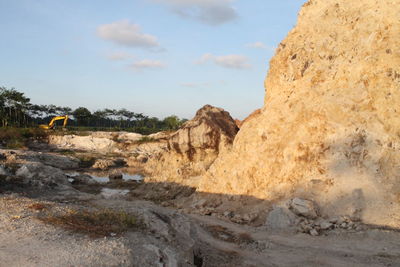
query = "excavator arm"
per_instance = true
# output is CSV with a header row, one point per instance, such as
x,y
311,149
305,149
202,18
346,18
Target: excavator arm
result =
x,y
53,120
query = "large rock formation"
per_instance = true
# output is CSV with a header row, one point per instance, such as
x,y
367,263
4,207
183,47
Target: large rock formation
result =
x,y
194,147
330,127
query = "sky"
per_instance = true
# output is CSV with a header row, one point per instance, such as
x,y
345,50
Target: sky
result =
x,y
157,57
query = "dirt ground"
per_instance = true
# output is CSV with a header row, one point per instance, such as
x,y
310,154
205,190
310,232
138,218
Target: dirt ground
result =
x,y
171,238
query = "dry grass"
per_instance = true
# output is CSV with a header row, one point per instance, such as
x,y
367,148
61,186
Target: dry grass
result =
x,y
96,224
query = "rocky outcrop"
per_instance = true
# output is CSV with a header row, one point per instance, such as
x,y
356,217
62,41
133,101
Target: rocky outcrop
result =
x,y
53,160
211,130
330,127
135,147
194,147
39,175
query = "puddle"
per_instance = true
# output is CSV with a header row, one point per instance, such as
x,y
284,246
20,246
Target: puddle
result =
x,y
109,193
125,177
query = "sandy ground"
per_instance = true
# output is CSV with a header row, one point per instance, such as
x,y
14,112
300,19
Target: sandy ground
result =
x,y
175,239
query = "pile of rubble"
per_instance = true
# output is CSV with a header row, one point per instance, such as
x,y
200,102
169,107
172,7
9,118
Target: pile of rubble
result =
x,y
304,216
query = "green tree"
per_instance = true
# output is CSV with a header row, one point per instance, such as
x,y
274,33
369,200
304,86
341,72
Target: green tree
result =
x,y
82,115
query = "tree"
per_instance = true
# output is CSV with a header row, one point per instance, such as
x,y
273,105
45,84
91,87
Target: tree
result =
x,y
172,122
82,115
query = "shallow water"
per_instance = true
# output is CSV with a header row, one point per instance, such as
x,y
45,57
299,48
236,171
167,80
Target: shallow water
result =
x,y
125,177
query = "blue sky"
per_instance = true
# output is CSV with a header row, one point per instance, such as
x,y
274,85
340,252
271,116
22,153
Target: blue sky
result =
x,y
159,57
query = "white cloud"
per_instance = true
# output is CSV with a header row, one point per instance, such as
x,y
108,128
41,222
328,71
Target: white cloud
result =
x,y
212,12
259,45
124,33
228,61
147,64
119,56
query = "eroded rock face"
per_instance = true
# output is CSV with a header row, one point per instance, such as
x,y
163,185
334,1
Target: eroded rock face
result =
x,y
208,132
331,115
194,147
54,160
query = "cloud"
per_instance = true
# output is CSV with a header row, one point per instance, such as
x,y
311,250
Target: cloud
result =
x,y
258,45
228,61
211,12
147,64
119,56
124,33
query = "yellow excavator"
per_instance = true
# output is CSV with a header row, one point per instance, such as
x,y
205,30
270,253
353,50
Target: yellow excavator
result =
x,y
52,124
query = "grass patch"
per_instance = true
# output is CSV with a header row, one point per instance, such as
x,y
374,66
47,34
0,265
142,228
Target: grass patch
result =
x,y
96,224
14,138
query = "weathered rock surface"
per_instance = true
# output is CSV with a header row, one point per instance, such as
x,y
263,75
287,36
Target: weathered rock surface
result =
x,y
111,142
39,175
305,208
330,114
194,147
208,132
54,160
280,218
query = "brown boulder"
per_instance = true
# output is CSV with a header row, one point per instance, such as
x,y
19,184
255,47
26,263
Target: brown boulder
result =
x,y
193,148
211,129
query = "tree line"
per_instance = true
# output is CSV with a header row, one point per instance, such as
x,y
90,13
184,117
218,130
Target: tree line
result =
x,y
16,110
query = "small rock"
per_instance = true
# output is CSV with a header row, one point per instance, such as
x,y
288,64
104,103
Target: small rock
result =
x,y
334,219
325,225
305,208
314,232
116,176
200,203
228,214
3,170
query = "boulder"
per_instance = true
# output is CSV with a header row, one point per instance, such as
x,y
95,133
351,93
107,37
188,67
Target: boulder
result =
x,y
305,208
39,175
194,147
280,218
210,130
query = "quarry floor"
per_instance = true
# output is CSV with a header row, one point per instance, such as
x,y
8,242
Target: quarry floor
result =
x,y
167,236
